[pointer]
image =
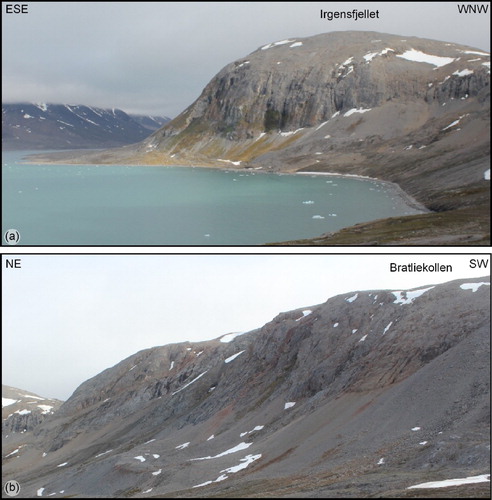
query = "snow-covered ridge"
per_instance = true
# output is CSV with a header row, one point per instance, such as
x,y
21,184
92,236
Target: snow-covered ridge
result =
x,y
281,42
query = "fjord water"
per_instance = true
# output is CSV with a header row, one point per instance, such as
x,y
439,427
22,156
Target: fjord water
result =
x,y
129,205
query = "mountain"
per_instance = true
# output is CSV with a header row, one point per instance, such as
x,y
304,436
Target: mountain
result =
x,y
364,395
408,110
60,126
23,410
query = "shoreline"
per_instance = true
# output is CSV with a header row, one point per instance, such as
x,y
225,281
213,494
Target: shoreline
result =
x,y
393,187
401,193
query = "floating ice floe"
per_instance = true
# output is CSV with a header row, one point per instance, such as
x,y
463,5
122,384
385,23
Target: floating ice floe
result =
x,y
318,217
308,202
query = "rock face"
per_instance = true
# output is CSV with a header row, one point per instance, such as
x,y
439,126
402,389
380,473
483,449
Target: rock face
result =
x,y
22,411
59,126
301,83
367,393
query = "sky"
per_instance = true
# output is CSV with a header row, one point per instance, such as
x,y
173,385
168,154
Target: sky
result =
x,y
66,318
156,57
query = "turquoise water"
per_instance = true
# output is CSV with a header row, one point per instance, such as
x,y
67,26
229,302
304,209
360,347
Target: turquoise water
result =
x,y
126,205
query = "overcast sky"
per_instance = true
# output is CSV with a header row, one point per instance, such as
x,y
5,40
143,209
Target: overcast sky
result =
x,y
156,57
68,317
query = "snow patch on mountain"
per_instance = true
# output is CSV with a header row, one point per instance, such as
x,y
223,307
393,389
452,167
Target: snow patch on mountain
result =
x,y
473,286
407,297
418,56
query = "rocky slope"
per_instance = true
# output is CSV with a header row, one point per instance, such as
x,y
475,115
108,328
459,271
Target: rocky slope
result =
x,y
366,394
408,110
58,126
22,411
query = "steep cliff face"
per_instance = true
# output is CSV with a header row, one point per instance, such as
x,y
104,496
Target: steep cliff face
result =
x,y
297,84
320,397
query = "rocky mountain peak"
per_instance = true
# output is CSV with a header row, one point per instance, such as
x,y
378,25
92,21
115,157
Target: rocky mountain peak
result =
x,y
300,83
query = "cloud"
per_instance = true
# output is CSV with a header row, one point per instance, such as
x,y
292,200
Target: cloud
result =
x,y
156,57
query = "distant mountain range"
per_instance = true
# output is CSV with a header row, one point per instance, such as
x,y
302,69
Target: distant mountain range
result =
x,y
61,126
364,395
